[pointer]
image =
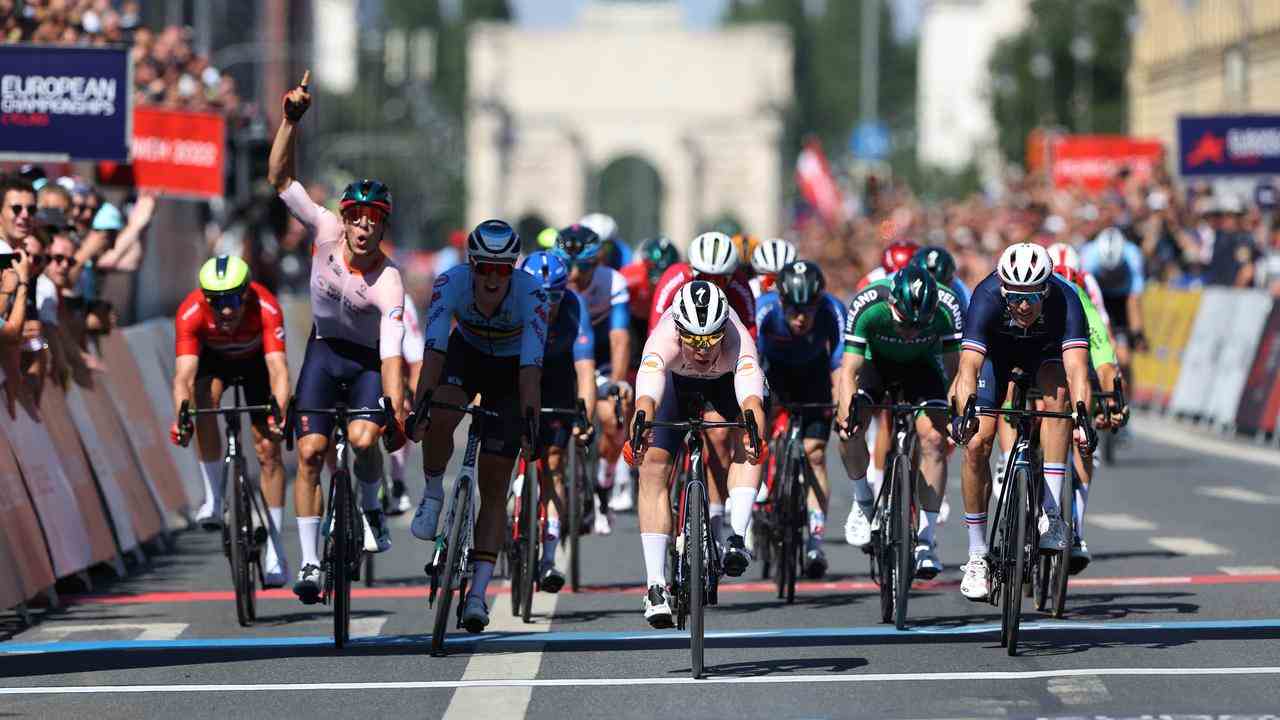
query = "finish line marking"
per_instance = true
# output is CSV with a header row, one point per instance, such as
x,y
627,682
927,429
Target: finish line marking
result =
x,y
614,682
539,641
416,591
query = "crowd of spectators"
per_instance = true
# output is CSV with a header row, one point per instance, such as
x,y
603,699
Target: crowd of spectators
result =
x,y
1189,236
167,72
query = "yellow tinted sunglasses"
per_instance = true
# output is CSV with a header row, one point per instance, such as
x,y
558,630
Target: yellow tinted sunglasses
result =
x,y
702,342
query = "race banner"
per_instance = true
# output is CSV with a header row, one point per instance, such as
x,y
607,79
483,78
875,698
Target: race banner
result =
x,y
1260,402
1229,144
1094,161
174,152
1168,316
65,103
816,183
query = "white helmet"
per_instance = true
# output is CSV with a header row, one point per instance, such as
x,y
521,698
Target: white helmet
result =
x,y
1064,255
493,241
1110,244
773,255
603,225
713,253
1024,264
700,308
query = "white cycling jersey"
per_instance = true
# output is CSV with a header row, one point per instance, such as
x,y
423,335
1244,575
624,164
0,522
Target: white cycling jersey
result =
x,y
415,341
607,288
665,355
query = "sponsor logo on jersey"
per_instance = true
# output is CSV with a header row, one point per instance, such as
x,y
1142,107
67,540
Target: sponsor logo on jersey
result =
x,y
280,333
397,313
651,362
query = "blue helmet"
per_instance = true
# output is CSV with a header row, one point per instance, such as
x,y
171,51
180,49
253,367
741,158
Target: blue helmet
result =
x,y
549,268
578,243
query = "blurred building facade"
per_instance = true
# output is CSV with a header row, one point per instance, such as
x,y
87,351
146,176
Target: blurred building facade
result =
x,y
1202,58
549,112
957,38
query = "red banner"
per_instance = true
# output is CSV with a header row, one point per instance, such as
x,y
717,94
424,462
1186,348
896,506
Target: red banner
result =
x,y
817,186
174,152
1093,161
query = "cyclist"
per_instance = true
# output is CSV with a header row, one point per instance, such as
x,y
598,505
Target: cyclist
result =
x,y
746,245
700,350
1117,264
1021,316
938,261
800,342
767,261
898,333
605,292
614,252
548,237
569,371
1065,257
231,329
412,350
495,350
357,304
653,258
895,257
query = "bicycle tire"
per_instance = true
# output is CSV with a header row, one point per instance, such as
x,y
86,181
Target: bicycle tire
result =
x,y
695,550
1062,559
1021,514
341,565
241,543
1109,448
515,554
532,542
452,565
904,565
574,485
787,558
881,550
1003,590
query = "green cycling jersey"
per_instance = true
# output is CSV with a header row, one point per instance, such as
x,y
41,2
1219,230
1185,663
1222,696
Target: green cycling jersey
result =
x,y
871,331
1101,351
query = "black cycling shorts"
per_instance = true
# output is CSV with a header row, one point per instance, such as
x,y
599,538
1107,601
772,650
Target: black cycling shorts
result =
x,y
993,381
921,382
497,381
808,383
690,397
251,373
559,390
329,365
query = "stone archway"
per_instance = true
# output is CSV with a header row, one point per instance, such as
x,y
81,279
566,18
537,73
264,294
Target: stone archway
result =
x,y
630,189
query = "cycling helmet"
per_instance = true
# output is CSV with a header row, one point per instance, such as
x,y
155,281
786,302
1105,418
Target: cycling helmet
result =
x,y
897,255
578,243
493,241
1110,244
773,255
746,245
700,308
549,268
224,275
1070,274
604,226
1063,255
914,296
366,192
801,283
1024,264
659,253
713,253
547,238
938,262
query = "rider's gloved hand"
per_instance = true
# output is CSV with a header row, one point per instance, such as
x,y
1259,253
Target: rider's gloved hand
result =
x,y
633,456
296,101
176,436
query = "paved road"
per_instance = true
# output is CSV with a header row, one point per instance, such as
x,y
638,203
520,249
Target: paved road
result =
x,y
1178,614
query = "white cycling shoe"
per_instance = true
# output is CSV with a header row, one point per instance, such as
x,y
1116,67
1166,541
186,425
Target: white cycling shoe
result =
x,y
976,584
604,523
426,518
621,499
209,516
857,528
1053,533
657,608
928,566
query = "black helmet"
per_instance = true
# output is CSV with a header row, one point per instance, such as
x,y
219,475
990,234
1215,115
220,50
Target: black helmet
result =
x,y
578,243
937,261
801,283
914,295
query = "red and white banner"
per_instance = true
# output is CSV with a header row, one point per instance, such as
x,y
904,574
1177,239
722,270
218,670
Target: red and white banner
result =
x,y
817,186
174,152
1092,161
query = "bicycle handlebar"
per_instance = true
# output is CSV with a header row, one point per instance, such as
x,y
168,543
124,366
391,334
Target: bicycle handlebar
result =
x,y
338,412
187,415
421,414
748,423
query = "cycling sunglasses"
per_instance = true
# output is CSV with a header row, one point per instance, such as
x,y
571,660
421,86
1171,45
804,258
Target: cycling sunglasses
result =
x,y
492,268
231,301
800,310
1017,297
702,342
364,214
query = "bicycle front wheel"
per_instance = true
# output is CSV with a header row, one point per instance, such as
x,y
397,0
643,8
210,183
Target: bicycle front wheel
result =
x,y
575,485
452,568
340,541
695,549
903,542
529,533
241,550
1019,514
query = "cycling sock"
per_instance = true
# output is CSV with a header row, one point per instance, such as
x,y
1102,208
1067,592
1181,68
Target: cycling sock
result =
x,y
928,524
277,519
214,483
604,477
875,478
741,500
369,492
655,557
435,485
550,541
977,526
716,510
862,491
817,524
308,532
480,578
398,459
1082,501
1053,474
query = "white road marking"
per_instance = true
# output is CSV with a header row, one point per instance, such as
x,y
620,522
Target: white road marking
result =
x,y
146,631
1244,495
1168,432
614,682
1118,521
1079,690
1250,570
503,700
1188,546
368,626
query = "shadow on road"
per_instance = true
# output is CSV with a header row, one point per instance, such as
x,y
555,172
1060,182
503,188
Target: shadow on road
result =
x,y
761,668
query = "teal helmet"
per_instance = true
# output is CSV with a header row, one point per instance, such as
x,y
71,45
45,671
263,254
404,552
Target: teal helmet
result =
x,y
659,253
914,296
937,261
367,192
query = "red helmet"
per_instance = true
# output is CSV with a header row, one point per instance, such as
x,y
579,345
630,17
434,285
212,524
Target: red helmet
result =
x,y
1070,273
897,255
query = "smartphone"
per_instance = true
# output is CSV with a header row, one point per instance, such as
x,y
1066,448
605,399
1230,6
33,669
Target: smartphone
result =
x,y
7,260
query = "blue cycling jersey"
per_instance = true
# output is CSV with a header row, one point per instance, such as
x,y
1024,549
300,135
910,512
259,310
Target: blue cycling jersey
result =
x,y
778,346
1120,281
517,327
570,338
989,328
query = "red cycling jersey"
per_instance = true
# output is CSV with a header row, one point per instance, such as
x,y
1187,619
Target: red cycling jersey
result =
x,y
639,288
738,291
261,328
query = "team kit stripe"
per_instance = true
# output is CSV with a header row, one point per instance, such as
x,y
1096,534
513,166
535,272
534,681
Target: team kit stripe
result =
x,y
974,345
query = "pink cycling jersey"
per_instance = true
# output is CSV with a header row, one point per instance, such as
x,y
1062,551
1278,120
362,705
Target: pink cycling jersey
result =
x,y
365,308
665,355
